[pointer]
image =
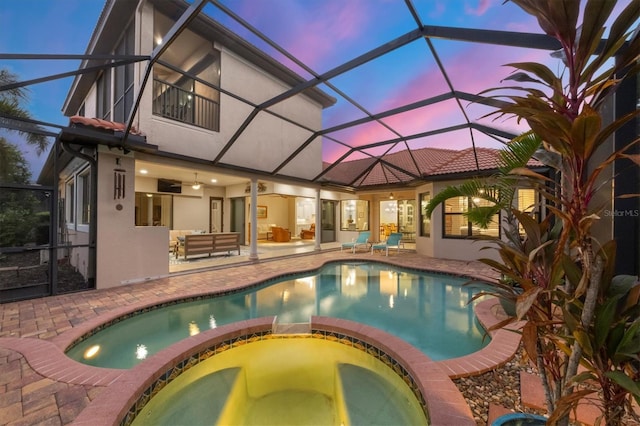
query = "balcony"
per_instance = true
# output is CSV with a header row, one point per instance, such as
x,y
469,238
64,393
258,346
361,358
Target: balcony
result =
x,y
185,106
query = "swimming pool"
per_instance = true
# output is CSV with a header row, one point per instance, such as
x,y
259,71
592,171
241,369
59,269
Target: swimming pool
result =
x,y
428,310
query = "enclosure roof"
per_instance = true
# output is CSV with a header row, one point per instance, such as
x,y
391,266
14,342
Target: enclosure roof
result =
x,y
402,84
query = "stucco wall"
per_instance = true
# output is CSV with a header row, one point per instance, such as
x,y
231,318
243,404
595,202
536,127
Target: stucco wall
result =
x,y
264,143
125,252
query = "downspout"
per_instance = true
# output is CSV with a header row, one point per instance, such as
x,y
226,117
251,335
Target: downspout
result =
x,y
93,213
54,221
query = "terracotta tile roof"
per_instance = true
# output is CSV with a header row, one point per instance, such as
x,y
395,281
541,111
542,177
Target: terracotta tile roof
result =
x,y
430,159
103,124
465,161
431,162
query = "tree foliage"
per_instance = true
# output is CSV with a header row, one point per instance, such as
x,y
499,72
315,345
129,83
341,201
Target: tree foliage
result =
x,y
11,108
23,214
576,311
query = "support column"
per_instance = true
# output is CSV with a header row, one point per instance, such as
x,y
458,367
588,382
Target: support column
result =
x,y
318,221
253,219
150,211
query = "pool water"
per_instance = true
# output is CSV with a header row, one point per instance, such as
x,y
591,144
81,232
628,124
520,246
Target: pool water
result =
x,y
429,311
292,381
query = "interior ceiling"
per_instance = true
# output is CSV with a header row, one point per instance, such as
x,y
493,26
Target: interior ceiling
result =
x,y
186,175
406,88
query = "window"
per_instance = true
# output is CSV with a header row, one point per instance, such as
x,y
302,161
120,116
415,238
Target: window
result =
x,y
84,196
354,215
70,195
425,221
123,79
406,222
153,209
103,87
528,203
456,224
190,95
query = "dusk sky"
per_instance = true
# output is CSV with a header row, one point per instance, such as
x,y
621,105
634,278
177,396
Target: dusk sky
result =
x,y
322,34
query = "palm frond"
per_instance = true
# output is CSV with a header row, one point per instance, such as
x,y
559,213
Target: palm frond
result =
x,y
480,188
517,153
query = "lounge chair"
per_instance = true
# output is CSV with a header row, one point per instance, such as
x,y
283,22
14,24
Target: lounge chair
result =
x,y
362,240
394,241
308,234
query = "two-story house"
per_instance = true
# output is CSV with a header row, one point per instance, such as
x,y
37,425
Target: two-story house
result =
x,y
178,123
187,101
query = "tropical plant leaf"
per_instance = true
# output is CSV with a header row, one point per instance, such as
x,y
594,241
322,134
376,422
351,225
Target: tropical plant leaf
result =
x,y
593,24
540,70
624,381
566,403
526,300
608,253
619,31
518,152
571,270
603,320
570,320
529,339
523,171
584,132
630,342
521,77
583,377
633,157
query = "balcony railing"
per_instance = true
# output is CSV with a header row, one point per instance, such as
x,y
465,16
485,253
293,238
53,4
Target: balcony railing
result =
x,y
182,105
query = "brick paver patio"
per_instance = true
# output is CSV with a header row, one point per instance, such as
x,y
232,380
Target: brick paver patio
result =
x,y
40,385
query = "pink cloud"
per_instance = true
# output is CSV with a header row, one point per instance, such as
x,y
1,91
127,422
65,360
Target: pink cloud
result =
x,y
482,7
313,30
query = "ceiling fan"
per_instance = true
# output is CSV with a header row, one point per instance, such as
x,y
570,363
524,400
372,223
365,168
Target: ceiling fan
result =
x,y
195,185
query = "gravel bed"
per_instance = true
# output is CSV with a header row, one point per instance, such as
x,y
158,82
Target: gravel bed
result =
x,y
502,387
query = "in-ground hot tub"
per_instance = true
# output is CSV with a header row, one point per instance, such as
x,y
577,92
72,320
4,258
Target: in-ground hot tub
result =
x,y
294,380
341,372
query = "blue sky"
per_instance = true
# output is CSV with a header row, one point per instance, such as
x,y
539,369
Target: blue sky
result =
x,y
321,33
45,26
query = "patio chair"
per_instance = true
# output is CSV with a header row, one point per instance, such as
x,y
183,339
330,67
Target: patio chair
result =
x,y
394,241
308,234
362,240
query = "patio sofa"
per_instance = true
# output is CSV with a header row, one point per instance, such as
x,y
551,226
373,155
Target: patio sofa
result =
x,y
175,234
193,244
264,230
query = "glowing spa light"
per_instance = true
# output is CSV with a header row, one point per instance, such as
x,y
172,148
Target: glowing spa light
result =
x,y
91,351
141,351
391,301
285,296
143,171
193,328
405,292
212,322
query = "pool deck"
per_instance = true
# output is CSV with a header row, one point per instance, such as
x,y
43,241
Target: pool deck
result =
x,y
40,385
